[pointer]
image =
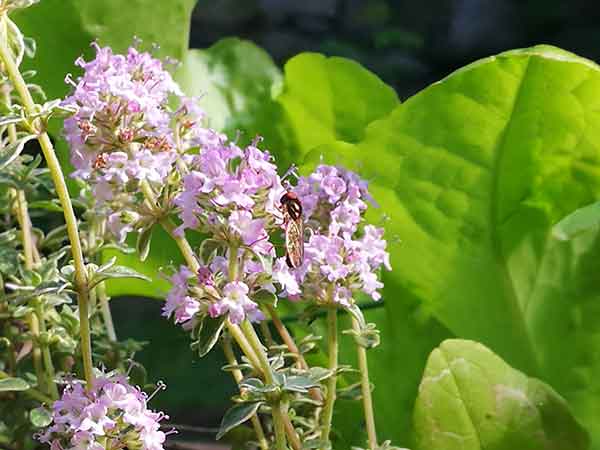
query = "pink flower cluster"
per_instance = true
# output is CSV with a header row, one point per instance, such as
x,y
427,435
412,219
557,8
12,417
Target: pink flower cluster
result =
x,y
340,257
209,292
120,100
113,414
231,193
123,131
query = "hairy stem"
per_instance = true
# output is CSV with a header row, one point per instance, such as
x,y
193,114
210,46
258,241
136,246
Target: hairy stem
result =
x,y
237,375
63,195
49,365
332,348
366,391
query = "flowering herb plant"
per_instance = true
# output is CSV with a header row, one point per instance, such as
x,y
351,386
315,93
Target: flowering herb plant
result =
x,y
277,256
144,158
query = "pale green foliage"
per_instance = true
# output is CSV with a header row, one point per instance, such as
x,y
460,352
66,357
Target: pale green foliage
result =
x,y
470,399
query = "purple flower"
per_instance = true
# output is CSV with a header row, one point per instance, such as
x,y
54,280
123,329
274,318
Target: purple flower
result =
x,y
240,184
179,304
112,411
342,256
236,303
284,277
251,231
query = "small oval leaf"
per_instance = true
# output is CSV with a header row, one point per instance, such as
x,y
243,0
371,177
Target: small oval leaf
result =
x,y
237,415
13,384
209,335
12,151
40,417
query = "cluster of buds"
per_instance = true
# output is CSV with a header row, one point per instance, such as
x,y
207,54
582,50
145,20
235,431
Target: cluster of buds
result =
x,y
112,414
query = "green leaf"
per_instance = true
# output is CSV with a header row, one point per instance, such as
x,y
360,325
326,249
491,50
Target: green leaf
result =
x,y
48,205
209,335
237,415
40,417
8,120
234,78
471,174
577,222
331,99
299,383
65,28
113,272
143,242
9,153
470,398
13,384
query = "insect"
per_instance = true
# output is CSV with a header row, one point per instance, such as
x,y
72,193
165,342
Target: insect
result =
x,y
294,229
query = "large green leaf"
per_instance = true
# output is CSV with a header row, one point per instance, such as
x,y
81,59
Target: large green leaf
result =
x,y
64,29
331,99
234,78
472,173
470,399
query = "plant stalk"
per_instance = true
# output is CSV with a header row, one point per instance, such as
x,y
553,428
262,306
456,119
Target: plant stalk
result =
x,y
36,353
237,375
56,173
366,391
279,428
288,340
106,314
332,348
277,408
49,365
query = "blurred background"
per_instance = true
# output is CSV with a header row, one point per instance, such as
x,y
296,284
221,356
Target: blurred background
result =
x,y
409,44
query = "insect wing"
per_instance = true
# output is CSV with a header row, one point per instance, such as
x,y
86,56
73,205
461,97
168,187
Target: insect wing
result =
x,y
294,242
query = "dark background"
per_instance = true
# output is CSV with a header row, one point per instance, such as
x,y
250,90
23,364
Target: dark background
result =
x,y
409,44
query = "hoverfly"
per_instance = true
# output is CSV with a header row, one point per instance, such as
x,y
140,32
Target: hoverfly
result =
x,y
294,229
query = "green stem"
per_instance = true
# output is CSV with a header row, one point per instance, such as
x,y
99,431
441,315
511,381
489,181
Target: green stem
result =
x,y
106,314
366,391
36,353
23,219
287,338
279,428
188,255
101,288
278,407
332,348
49,365
237,375
63,195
